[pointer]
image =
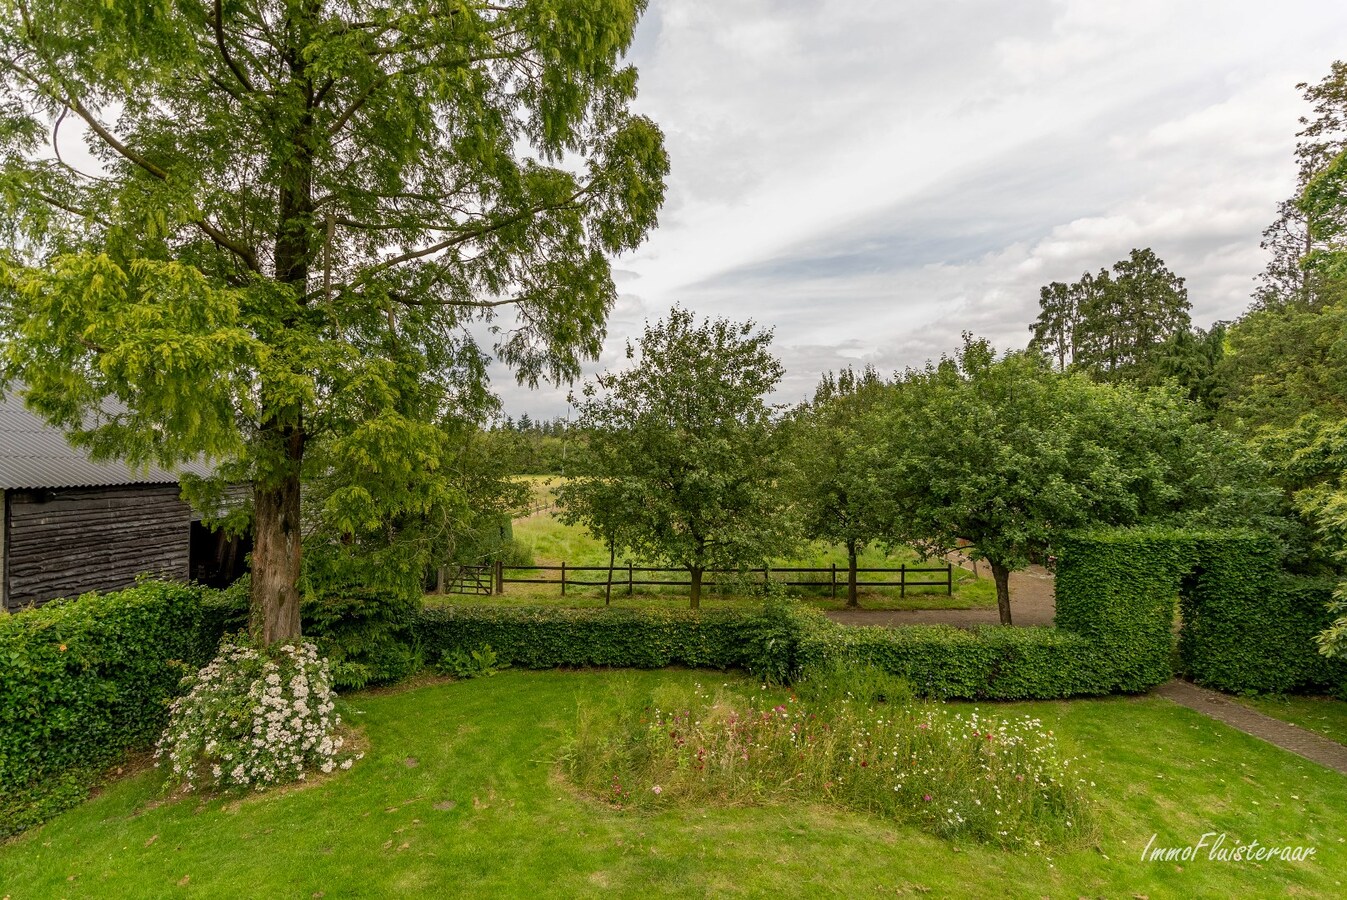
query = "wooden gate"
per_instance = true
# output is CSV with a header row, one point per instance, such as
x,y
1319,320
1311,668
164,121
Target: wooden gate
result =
x,y
469,580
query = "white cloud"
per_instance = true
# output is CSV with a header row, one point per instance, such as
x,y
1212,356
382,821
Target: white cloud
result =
x,y
873,178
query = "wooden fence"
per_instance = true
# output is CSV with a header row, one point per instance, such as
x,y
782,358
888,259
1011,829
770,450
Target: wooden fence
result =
x,y
631,576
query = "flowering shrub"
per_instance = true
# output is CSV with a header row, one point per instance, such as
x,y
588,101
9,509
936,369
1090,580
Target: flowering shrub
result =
x,y
254,718
998,780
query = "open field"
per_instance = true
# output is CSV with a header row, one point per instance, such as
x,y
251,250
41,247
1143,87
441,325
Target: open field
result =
x,y
458,796
551,542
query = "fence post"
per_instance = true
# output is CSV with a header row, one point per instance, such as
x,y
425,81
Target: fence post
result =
x,y
834,581
949,579
766,576
500,576
563,578
630,584
902,580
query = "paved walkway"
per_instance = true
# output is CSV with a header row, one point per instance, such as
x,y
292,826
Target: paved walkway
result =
x,y
1031,603
1314,747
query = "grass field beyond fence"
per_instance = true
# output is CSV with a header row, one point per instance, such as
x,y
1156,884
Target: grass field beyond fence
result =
x,y
549,542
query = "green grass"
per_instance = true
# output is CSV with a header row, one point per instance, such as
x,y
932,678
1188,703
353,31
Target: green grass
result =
x,y
1320,714
551,542
458,796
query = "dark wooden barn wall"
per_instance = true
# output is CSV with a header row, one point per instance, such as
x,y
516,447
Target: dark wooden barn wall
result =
x,y
62,543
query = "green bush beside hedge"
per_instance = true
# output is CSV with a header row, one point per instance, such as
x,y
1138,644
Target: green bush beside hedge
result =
x,y
84,681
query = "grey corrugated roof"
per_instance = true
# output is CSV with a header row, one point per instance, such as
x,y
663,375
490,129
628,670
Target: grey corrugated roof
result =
x,y
35,455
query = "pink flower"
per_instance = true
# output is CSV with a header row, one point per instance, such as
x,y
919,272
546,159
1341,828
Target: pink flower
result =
x,y
657,790
926,798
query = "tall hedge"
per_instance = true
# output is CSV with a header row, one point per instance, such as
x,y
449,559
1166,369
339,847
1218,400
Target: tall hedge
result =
x,y
84,681
1249,628
1118,588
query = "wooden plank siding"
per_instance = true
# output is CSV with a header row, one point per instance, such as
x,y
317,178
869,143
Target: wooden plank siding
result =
x,y
64,542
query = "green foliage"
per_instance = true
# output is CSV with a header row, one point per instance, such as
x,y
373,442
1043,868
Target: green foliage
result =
x,y
682,455
771,638
865,683
1113,325
960,776
1246,627
304,214
1249,629
1118,588
82,682
367,636
549,637
1009,455
470,664
985,663
833,453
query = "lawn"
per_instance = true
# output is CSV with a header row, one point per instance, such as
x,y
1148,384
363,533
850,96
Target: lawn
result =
x,y
458,796
1321,714
551,542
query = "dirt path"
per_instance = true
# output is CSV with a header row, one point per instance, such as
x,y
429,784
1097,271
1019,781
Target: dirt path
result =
x,y
1031,603
1313,747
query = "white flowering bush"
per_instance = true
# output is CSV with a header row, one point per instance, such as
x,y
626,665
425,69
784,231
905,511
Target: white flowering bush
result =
x,y
254,718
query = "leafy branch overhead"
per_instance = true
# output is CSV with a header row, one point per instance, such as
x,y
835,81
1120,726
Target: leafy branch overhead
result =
x,y
296,213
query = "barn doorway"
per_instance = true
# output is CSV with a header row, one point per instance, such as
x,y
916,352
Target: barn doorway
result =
x,y
218,560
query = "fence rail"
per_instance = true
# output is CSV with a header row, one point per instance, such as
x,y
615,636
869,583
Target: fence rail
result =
x,y
615,577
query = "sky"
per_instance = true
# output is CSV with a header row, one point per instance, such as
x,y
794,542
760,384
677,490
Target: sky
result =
x,y
872,179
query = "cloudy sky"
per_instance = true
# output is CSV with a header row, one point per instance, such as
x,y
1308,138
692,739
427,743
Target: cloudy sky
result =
x,y
873,178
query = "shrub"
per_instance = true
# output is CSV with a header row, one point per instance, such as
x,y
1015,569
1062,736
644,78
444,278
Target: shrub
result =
x,y
1248,635
987,663
82,682
1000,781
367,636
1119,588
461,664
253,717
548,637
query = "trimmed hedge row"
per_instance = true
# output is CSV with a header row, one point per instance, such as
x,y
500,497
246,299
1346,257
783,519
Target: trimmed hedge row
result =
x,y
84,681
548,637
986,663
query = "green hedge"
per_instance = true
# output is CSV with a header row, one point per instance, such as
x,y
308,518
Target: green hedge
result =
x,y
547,637
986,663
1248,628
84,681
1118,588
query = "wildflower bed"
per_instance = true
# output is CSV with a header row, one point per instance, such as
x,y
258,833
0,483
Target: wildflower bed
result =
x,y
460,795
961,775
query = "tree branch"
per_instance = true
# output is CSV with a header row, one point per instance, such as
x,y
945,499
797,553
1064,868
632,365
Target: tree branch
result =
x,y
224,51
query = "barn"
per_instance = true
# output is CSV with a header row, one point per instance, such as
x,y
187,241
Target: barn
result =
x,y
73,525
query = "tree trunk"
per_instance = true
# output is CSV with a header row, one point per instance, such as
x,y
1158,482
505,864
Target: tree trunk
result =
x,y
608,590
1002,576
277,539
274,603
696,572
853,600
